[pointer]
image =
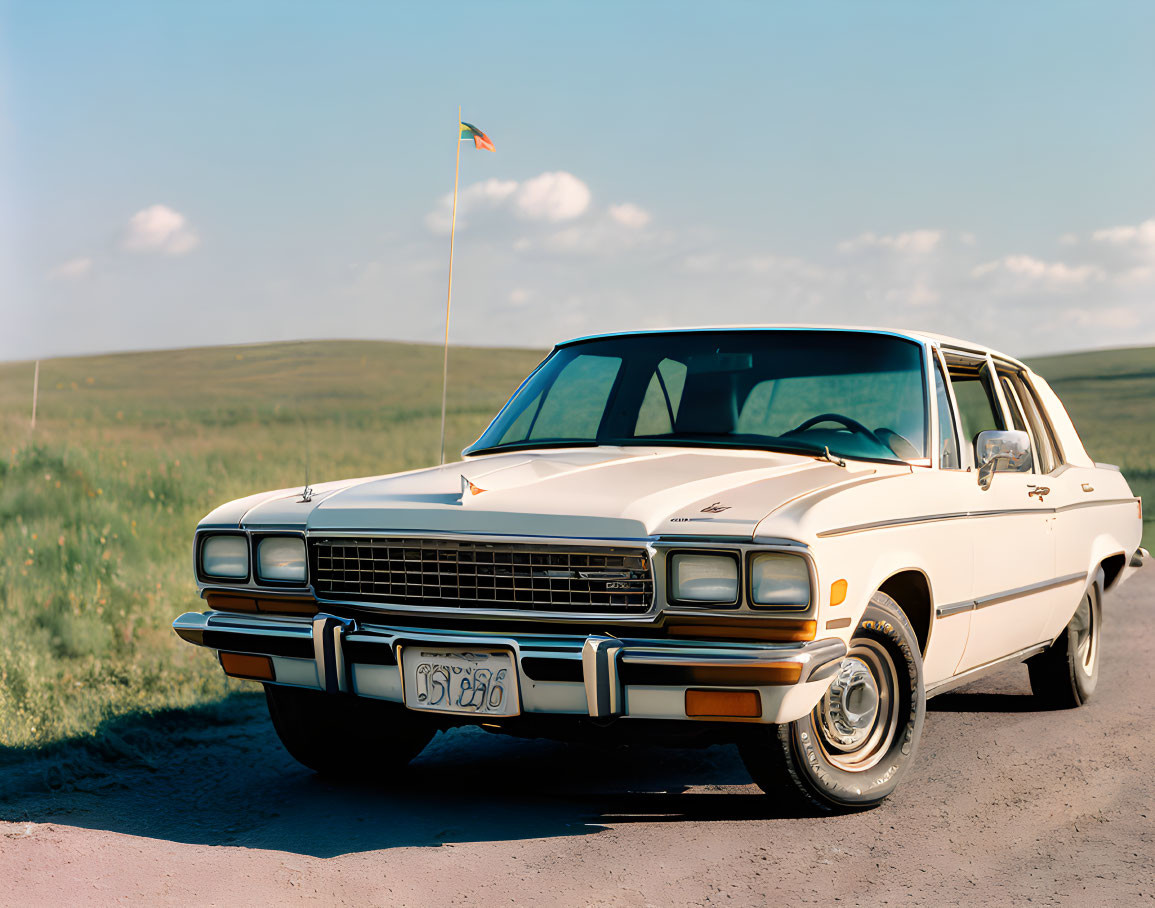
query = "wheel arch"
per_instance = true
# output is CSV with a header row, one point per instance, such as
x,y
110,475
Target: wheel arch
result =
x,y
911,589
1112,568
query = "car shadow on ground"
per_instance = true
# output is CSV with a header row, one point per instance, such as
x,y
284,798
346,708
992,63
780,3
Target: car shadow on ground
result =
x,y
1007,690
219,776
981,702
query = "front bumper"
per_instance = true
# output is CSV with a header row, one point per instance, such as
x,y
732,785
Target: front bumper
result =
x,y
578,675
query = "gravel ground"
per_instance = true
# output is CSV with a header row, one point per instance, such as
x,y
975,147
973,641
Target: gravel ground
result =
x,y
1006,805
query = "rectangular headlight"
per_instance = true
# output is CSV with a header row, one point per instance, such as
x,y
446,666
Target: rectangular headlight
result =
x,y
779,580
225,556
281,558
709,578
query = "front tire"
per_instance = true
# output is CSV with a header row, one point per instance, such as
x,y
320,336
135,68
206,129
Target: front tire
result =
x,y
344,736
1065,674
853,749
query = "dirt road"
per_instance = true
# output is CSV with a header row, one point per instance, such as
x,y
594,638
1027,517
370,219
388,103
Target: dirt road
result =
x,y
1007,805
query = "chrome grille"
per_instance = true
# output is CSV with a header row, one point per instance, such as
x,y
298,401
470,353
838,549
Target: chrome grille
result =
x,y
483,575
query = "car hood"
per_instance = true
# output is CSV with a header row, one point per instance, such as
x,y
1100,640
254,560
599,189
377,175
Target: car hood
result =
x,y
604,492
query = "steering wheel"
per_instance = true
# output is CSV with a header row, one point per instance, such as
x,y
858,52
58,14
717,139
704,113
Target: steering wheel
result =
x,y
852,425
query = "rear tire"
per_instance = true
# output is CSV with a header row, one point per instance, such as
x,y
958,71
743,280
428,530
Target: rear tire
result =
x,y
1065,674
856,745
344,736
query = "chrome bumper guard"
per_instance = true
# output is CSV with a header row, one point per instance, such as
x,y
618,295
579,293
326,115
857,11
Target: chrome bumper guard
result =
x,y
336,645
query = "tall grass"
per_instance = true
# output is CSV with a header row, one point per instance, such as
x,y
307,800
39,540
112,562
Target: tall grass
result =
x,y
98,506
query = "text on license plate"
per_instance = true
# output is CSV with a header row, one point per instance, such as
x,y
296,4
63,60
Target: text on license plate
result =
x,y
460,680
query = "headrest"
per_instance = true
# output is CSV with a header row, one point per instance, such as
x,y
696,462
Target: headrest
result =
x,y
709,405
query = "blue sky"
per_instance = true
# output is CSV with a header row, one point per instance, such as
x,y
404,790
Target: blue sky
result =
x,y
179,174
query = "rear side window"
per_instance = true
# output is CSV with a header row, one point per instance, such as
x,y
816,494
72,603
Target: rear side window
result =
x,y
1042,434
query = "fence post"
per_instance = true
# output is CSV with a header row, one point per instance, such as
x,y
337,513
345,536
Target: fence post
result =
x,y
35,392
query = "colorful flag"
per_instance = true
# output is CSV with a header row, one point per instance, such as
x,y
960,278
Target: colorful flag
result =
x,y
480,139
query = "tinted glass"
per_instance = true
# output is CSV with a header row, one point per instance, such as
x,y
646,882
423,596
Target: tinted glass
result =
x,y
572,406
857,393
947,438
1041,432
978,409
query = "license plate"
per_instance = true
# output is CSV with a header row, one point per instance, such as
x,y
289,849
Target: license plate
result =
x,y
460,680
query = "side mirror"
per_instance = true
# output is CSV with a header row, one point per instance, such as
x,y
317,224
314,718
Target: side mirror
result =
x,y
1002,452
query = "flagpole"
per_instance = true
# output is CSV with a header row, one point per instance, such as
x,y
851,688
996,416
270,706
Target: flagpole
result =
x,y
449,291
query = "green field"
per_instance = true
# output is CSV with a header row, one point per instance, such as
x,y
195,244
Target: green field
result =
x,y
97,507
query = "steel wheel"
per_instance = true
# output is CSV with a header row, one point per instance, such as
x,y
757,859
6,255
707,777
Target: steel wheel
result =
x,y
1085,631
857,718
855,746
1066,673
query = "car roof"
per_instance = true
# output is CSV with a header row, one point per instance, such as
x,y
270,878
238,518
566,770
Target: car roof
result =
x,y
926,337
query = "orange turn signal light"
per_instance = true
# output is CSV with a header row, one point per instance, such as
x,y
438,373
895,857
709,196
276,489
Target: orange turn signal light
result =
x,y
838,592
225,603
245,665
747,629
723,704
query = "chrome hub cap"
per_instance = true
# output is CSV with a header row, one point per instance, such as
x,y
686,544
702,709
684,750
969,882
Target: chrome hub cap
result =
x,y
850,705
1086,636
857,719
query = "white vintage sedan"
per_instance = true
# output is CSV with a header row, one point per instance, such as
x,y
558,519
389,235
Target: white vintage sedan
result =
x,y
787,538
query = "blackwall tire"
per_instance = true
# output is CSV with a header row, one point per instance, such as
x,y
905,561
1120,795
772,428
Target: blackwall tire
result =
x,y
1066,674
846,754
343,736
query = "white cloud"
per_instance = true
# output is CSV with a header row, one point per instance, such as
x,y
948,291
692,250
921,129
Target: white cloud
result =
x,y
914,242
1025,269
491,193
1138,235
552,197
630,215
160,229
555,196
73,269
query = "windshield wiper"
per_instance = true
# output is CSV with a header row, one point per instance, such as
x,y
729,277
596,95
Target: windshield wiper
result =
x,y
820,452
826,455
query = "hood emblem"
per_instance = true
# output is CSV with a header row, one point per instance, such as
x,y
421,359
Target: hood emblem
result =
x,y
716,508
467,486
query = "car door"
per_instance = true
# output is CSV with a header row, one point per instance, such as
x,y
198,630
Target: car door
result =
x,y
1070,490
1012,526
950,540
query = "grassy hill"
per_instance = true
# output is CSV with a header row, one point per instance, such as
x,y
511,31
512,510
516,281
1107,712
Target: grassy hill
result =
x,y
1110,395
97,506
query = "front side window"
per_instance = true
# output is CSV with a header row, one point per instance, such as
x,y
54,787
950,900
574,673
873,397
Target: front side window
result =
x,y
859,394
978,407
947,437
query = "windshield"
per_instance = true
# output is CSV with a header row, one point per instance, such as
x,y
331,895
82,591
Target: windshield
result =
x,y
859,394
